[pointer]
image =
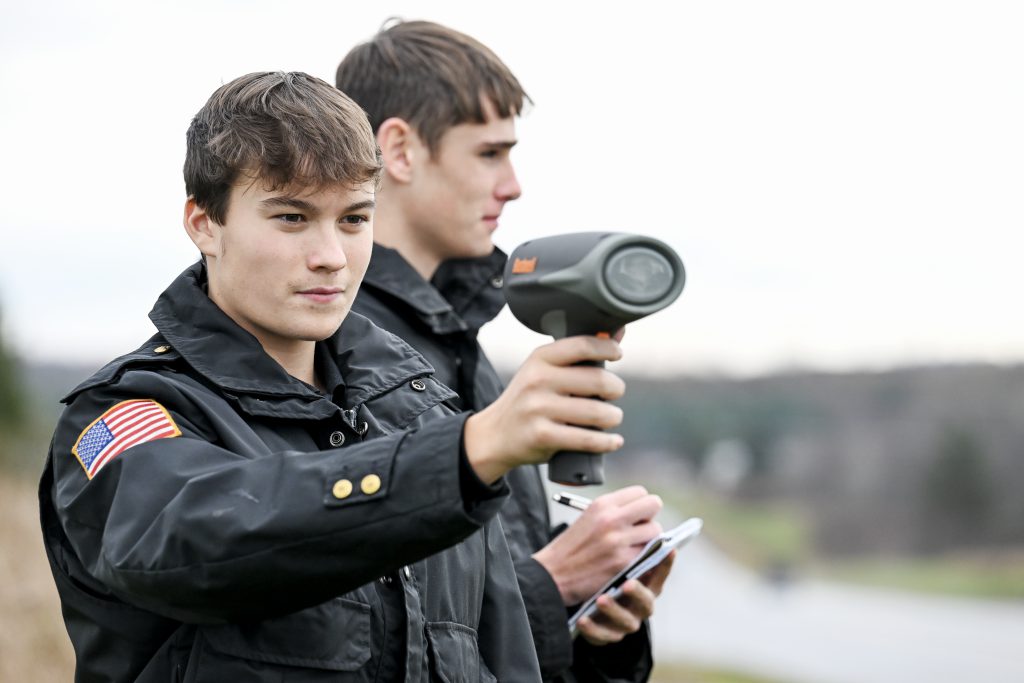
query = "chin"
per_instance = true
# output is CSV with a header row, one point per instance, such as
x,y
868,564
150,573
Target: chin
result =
x,y
479,249
321,329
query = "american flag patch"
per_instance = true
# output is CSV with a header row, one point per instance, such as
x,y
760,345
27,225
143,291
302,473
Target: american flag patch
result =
x,y
127,424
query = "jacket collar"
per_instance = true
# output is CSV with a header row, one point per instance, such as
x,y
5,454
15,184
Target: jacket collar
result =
x,y
463,295
372,361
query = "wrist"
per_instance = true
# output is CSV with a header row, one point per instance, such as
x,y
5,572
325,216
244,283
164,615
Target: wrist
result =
x,y
479,446
548,559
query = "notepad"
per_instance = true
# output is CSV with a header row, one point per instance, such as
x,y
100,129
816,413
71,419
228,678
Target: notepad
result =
x,y
650,557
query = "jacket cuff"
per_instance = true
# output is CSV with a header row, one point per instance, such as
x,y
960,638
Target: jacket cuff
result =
x,y
630,659
547,615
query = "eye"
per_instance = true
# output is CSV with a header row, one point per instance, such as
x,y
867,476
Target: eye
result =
x,y
489,154
291,218
354,219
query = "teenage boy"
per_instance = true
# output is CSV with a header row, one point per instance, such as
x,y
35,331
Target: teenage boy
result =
x,y
443,108
272,488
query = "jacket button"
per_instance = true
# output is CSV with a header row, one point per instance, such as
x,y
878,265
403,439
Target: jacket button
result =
x,y
363,428
342,488
337,438
498,282
162,349
370,484
407,571
418,384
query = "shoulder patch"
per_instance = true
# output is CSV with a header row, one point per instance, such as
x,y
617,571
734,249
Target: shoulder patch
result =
x,y
127,424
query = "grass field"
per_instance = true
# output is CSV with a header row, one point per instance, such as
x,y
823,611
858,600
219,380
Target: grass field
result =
x,y
33,643
996,575
681,673
768,535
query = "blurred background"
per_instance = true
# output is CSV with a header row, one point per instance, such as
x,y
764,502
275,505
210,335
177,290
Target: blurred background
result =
x,y
838,392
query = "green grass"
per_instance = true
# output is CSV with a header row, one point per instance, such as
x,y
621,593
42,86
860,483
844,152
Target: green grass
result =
x,y
764,536
758,535
979,575
684,673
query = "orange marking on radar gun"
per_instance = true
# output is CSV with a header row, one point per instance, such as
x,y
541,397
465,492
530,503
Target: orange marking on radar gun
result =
x,y
524,265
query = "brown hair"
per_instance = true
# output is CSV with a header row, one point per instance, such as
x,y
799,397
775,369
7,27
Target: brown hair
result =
x,y
431,76
283,128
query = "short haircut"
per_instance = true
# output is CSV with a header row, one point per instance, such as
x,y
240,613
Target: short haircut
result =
x,y
431,76
284,129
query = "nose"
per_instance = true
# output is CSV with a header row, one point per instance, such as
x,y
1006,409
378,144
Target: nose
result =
x,y
508,188
326,252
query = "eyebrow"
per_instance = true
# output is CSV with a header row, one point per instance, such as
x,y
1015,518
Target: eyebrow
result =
x,y
499,144
287,201
358,206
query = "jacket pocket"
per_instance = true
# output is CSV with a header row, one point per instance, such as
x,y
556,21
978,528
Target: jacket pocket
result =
x,y
455,655
331,637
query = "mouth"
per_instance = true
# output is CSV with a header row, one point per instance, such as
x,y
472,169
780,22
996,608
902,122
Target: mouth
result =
x,y
322,295
491,221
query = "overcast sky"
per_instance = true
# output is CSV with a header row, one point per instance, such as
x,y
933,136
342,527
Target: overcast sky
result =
x,y
844,180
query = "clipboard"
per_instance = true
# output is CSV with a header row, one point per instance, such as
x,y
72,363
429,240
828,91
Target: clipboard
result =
x,y
650,557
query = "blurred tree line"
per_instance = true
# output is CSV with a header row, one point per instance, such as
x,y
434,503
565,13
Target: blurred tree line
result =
x,y
14,411
916,460
12,399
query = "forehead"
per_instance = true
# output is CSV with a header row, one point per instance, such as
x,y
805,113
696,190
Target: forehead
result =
x,y
255,189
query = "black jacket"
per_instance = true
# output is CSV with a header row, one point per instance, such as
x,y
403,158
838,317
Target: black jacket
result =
x,y
248,547
441,319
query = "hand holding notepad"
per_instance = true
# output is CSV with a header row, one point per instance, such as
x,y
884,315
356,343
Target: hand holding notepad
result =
x,y
653,554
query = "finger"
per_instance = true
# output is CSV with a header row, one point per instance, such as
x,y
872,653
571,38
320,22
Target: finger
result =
x,y
619,334
642,509
581,380
597,633
573,350
583,412
619,616
655,578
638,599
563,437
640,534
620,497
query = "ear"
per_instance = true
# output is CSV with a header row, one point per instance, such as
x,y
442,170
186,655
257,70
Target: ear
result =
x,y
400,148
202,230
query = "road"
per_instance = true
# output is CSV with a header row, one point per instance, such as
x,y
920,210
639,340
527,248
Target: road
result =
x,y
715,613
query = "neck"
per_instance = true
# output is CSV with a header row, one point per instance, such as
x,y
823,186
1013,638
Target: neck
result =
x,y
296,356
297,359
391,229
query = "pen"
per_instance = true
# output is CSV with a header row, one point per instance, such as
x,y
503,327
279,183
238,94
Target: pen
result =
x,y
572,500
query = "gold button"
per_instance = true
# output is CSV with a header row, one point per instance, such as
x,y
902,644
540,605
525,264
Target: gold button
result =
x,y
162,349
342,488
370,484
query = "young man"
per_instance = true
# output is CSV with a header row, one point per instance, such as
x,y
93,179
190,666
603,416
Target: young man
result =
x,y
443,107
272,488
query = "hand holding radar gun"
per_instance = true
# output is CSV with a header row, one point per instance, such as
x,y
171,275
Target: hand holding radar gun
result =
x,y
589,283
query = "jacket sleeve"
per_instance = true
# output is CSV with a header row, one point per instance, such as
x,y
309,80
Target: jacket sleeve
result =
x,y
194,531
564,659
506,644
627,660
547,615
